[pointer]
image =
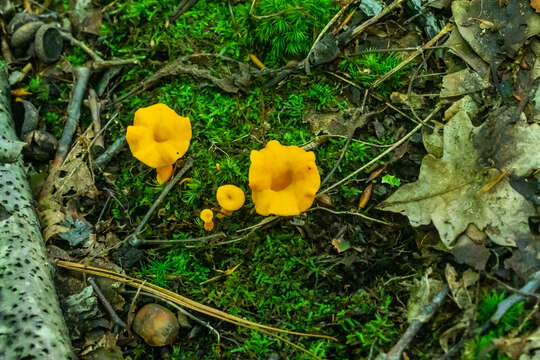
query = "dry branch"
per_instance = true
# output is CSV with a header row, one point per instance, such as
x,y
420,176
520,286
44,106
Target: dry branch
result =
x,y
31,323
82,75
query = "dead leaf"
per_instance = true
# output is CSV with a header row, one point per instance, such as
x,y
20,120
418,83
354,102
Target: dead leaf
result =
x,y
459,46
72,180
514,22
448,194
421,295
326,123
462,82
462,295
460,288
468,252
341,244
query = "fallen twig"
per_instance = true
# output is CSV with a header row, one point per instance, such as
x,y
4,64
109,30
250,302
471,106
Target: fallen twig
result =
x,y
95,108
111,151
321,34
360,28
98,61
384,153
502,308
360,122
353,213
76,42
142,242
507,303
183,311
190,304
414,326
181,9
106,304
82,75
134,238
411,57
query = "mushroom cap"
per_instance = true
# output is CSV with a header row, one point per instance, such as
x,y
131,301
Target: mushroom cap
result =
x,y
158,136
207,215
283,179
230,197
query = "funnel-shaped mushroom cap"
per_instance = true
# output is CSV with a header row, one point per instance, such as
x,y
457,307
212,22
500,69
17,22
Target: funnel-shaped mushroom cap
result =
x,y
159,136
207,216
283,179
230,197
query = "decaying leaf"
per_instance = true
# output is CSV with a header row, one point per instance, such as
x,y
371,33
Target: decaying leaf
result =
x,y
513,23
341,244
459,46
448,194
462,82
422,293
72,179
459,288
471,253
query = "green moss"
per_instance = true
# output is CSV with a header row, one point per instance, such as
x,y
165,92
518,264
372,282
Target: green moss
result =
x,y
510,321
368,68
286,29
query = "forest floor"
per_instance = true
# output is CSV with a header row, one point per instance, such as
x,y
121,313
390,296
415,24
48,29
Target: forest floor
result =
x,y
449,86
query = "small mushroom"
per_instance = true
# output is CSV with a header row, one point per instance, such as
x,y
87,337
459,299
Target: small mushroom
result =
x,y
156,324
207,216
230,198
159,137
283,179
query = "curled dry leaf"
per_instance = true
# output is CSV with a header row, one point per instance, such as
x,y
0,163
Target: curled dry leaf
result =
x,y
448,191
73,179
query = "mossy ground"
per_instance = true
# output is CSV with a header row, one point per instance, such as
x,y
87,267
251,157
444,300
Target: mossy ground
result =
x,y
289,275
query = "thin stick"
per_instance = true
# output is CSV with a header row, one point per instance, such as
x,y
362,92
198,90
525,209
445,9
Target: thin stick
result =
x,y
384,153
411,57
106,304
133,239
321,34
82,45
507,303
181,9
512,289
360,28
179,299
414,326
354,213
98,62
82,75
358,123
95,108
181,241
183,311
502,308
111,151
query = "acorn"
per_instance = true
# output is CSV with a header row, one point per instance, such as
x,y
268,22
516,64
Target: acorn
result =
x,y
157,325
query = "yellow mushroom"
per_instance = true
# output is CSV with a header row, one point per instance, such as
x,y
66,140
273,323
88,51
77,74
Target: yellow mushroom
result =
x,y
207,216
159,137
283,179
230,198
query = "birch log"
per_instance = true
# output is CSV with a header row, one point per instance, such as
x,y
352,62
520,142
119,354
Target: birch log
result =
x,y
31,323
